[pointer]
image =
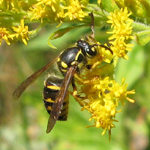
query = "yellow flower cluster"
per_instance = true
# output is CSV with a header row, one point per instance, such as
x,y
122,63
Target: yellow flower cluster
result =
x,y
57,10
74,10
21,32
4,35
17,33
46,11
103,107
98,92
102,95
121,34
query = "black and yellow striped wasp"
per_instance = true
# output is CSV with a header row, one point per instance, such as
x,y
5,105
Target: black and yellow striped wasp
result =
x,y
55,94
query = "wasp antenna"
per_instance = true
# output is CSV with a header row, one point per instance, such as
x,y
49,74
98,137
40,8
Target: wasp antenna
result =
x,y
107,48
92,24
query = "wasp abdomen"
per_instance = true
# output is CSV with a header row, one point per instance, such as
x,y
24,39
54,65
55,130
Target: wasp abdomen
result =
x,y
51,89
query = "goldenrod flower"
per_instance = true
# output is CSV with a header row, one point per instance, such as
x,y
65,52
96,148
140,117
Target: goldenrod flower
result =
x,y
47,9
57,10
121,34
74,10
21,32
4,34
102,99
37,12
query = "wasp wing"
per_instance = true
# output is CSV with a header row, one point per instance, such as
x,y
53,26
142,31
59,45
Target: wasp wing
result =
x,y
21,88
57,106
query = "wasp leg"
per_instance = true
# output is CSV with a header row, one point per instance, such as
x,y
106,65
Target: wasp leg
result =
x,y
77,97
85,81
95,64
75,94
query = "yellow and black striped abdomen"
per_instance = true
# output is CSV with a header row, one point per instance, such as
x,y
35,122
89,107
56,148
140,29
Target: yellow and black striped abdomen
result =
x,y
51,89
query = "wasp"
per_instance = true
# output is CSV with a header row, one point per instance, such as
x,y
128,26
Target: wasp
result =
x,y
70,63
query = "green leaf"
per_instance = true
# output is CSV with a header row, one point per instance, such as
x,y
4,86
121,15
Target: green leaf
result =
x,y
109,5
143,37
138,26
142,33
61,32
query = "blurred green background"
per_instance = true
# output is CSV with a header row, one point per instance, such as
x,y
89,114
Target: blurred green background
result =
x,y
23,123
